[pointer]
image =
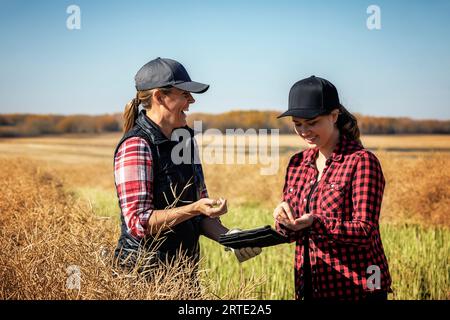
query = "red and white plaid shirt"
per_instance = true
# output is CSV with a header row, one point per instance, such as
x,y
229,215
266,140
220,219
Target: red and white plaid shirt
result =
x,y
133,175
344,239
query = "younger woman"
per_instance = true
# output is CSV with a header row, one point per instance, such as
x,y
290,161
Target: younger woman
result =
x,y
331,201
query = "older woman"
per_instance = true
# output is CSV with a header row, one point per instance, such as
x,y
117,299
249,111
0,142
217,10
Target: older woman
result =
x,y
164,202
331,201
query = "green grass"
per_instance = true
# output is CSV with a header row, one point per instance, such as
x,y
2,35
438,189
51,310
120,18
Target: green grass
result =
x,y
272,269
103,203
418,260
418,256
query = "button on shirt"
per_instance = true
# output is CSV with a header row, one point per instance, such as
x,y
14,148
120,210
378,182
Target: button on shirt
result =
x,y
344,237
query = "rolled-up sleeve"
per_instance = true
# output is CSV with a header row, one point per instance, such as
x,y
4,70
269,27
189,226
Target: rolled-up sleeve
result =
x,y
133,177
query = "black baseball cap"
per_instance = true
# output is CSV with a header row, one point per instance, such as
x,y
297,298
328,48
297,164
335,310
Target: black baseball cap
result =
x,y
162,72
311,97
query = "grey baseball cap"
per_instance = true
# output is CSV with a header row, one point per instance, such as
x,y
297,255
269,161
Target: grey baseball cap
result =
x,y
162,72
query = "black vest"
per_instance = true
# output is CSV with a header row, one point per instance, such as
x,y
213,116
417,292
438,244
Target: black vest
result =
x,y
174,185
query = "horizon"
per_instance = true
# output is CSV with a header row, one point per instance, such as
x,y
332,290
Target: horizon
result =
x,y
249,52
211,113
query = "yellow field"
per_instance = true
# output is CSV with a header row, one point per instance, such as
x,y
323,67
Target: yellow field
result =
x,y
84,163
78,170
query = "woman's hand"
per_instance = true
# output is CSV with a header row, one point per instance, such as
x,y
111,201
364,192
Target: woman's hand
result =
x,y
243,254
247,253
211,207
283,215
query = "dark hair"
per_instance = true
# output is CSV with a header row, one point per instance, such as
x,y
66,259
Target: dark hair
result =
x,y
131,111
348,125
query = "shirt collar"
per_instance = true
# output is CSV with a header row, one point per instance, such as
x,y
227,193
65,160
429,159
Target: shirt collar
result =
x,y
344,146
339,149
310,156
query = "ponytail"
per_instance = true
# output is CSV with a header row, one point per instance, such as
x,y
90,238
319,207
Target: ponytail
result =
x,y
143,97
130,114
348,125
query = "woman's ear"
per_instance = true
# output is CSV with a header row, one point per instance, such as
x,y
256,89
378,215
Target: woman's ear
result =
x,y
157,97
335,115
295,129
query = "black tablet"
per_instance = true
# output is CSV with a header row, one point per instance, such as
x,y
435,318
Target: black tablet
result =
x,y
260,237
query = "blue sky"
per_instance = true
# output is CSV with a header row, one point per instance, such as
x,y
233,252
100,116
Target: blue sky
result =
x,y
250,52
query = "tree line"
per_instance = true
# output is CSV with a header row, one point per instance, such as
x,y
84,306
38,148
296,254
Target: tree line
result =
x,y
28,125
22,125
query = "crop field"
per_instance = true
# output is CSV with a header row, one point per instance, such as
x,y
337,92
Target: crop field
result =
x,y
59,209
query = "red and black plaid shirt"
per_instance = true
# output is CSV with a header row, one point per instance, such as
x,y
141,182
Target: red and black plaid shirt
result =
x,y
133,176
344,239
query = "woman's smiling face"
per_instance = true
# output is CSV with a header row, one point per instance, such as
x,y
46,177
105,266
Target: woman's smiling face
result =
x,y
316,131
177,104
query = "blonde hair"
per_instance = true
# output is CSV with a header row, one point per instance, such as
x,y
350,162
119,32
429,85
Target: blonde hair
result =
x,y
131,111
348,124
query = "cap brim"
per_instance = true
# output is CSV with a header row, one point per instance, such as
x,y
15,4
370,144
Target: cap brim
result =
x,y
192,86
301,113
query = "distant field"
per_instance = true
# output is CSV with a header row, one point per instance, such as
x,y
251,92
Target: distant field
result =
x,y
85,163
94,147
414,224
